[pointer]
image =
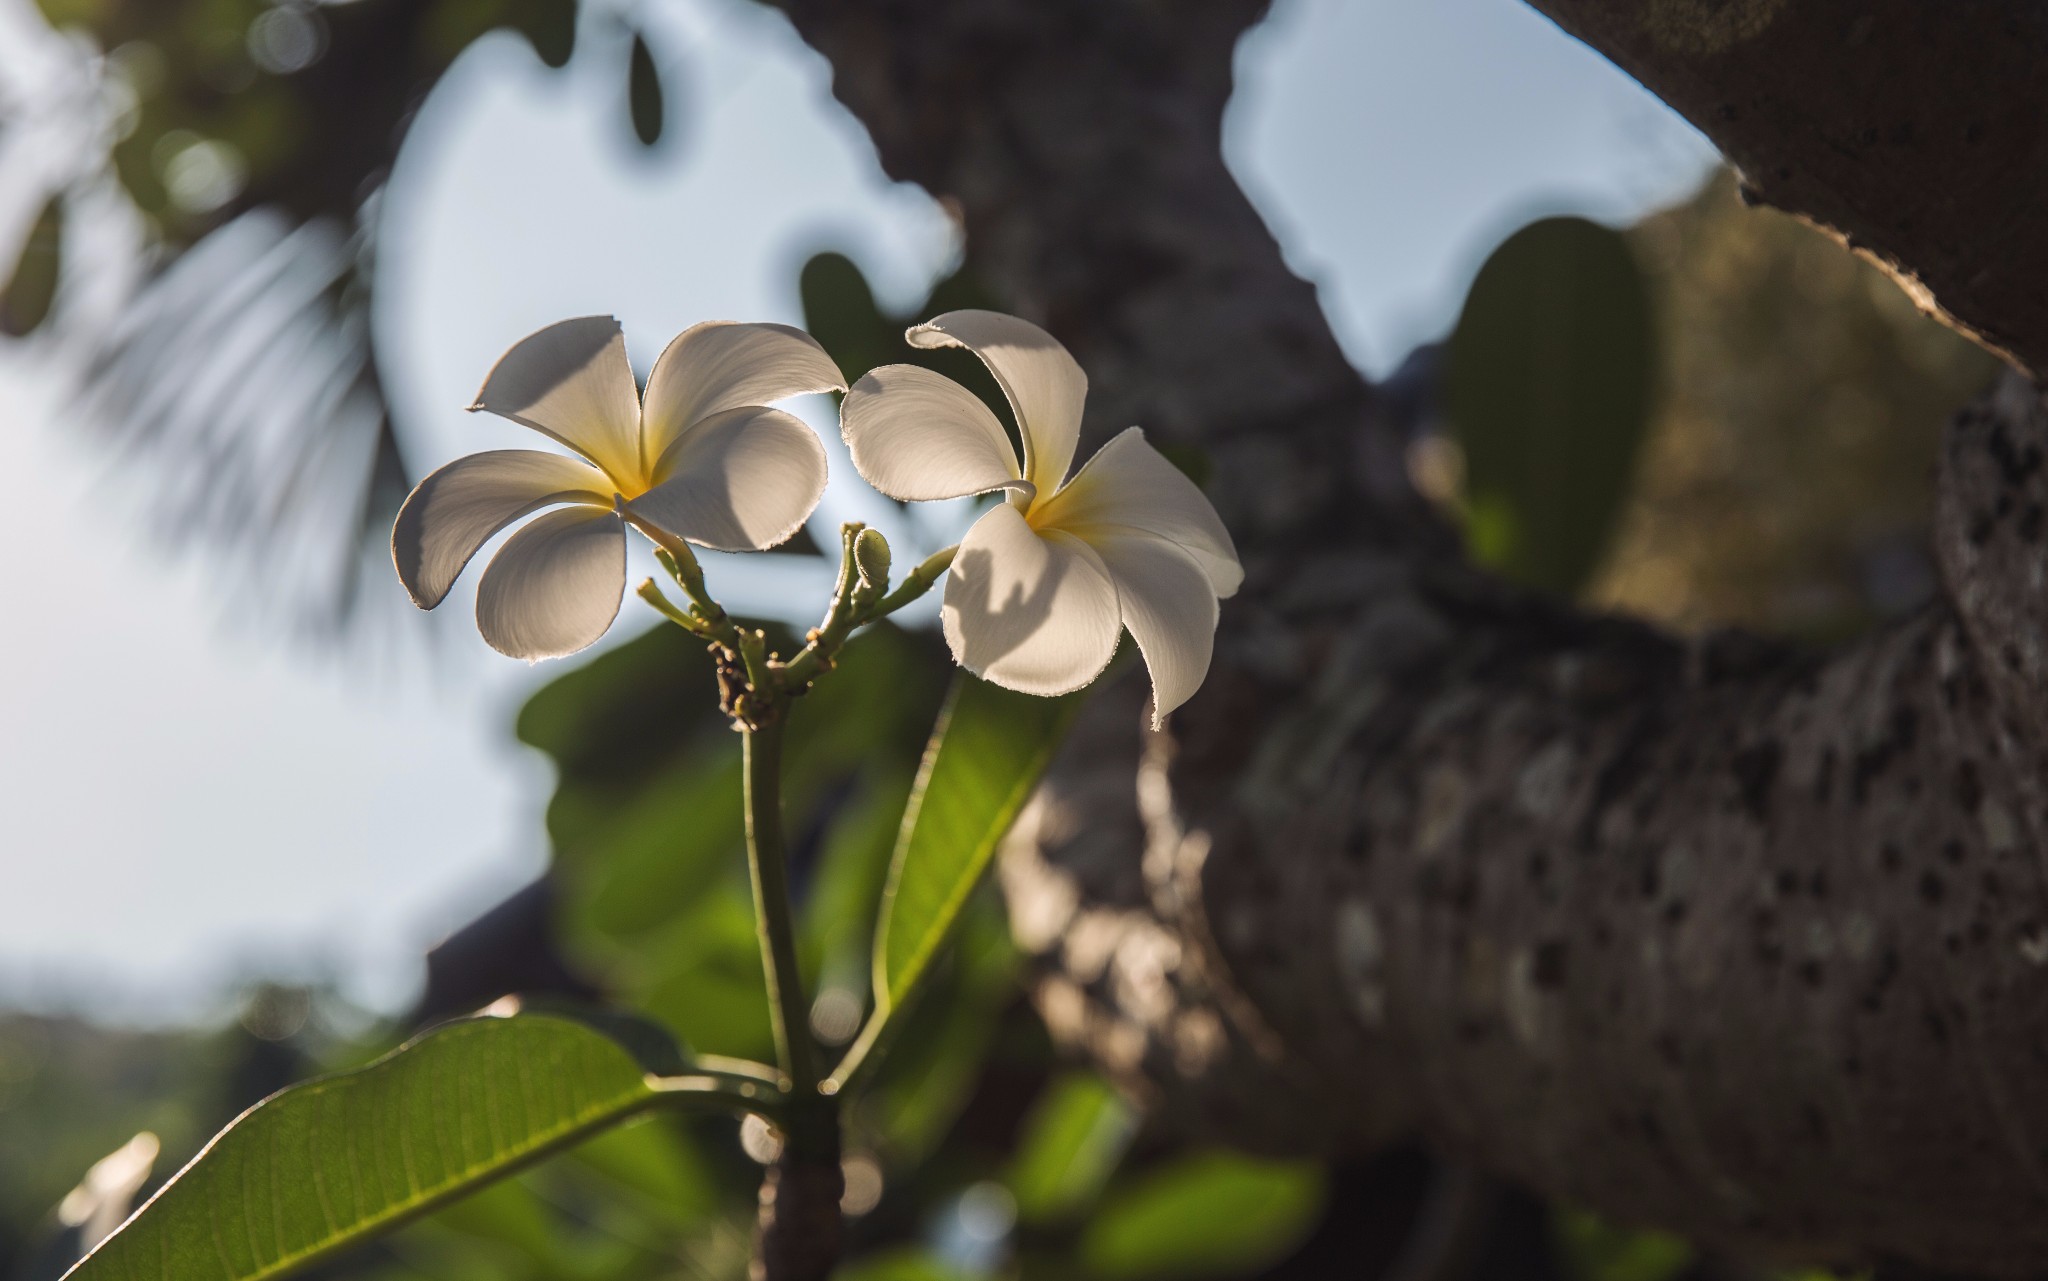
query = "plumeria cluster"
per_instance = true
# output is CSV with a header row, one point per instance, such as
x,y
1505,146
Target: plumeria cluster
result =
x,y
1039,591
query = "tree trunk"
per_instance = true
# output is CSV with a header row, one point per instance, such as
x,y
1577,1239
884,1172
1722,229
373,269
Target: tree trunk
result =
x,y
1704,933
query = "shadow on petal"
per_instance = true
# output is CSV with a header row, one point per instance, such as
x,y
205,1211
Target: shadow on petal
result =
x,y
991,630
742,480
1037,614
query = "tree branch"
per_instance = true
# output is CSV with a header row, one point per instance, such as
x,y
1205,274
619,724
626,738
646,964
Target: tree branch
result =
x,y
1708,934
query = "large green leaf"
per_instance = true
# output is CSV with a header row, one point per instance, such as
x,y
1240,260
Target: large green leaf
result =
x,y
1211,1214
1549,386
318,1167
987,753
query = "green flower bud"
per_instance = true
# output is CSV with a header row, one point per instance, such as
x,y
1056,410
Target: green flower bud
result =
x,y
871,557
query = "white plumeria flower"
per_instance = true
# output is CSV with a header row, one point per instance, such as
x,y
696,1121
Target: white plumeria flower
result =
x,y
699,459
1046,582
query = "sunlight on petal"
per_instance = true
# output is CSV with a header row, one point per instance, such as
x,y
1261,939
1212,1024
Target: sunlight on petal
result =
x,y
555,586
920,436
457,509
1030,613
721,365
1166,601
742,480
1130,485
572,381
1046,387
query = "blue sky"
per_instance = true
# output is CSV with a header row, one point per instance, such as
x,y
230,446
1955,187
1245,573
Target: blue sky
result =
x,y
184,797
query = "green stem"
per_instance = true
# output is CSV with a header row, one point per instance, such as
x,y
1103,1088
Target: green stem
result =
x,y
788,1012
650,593
822,646
917,583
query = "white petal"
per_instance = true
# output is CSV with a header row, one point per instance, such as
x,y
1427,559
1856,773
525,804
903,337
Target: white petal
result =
x,y
1130,485
721,365
1030,613
457,509
920,436
572,381
739,481
1045,386
1166,601
555,586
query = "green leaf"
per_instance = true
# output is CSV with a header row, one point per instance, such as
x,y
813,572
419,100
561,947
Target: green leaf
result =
x,y
1549,383
1071,1143
32,287
1212,1214
987,753
320,1166
643,93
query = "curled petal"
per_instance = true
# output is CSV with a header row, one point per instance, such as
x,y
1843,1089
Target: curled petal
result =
x,y
1046,387
740,481
555,586
1033,613
457,509
1166,601
721,365
919,436
1129,485
572,381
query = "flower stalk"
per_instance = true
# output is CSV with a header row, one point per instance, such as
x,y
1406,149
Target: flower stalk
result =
x,y
798,1228
795,1053
756,689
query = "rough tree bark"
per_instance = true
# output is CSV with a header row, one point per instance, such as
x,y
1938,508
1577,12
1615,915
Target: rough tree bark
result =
x,y
1705,933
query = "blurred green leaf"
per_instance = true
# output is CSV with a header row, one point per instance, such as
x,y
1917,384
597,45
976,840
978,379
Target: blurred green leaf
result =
x,y
657,1167
942,1043
1549,383
1594,1250
986,754
840,312
611,1210
701,975
449,26
549,24
513,1217
643,93
1070,1144
31,287
1211,1214
322,1165
619,718
908,1263
640,859
838,919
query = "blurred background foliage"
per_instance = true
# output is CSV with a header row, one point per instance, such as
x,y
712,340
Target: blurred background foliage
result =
x,y
1716,416
1787,483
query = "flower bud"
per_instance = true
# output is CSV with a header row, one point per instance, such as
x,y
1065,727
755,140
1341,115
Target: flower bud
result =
x,y
871,557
